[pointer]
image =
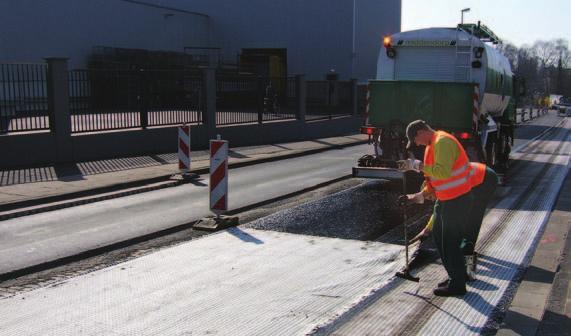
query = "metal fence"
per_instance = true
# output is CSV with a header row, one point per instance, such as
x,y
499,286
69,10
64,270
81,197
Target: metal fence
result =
x,y
174,97
114,99
328,99
23,98
120,99
250,99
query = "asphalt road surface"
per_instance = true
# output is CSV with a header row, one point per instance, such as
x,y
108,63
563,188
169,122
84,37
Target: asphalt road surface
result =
x,y
40,238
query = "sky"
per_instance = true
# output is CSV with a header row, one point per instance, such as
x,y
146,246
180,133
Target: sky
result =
x,y
517,21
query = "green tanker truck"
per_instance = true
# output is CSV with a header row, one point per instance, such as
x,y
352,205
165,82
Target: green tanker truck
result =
x,y
453,78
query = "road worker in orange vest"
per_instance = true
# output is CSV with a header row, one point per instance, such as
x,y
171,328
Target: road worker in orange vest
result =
x,y
450,177
482,193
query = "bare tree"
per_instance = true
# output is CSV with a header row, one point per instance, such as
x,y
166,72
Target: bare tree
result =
x,y
563,53
543,66
546,52
510,51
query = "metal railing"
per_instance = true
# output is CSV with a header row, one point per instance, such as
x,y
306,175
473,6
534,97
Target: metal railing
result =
x,y
174,98
115,99
104,100
529,113
249,99
119,99
328,99
279,98
23,98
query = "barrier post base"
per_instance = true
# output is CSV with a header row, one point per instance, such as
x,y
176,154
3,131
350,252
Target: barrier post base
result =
x,y
216,223
184,176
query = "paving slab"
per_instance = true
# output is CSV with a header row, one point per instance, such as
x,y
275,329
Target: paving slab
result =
x,y
29,184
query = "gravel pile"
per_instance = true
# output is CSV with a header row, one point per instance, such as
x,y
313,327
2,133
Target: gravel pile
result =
x,y
362,212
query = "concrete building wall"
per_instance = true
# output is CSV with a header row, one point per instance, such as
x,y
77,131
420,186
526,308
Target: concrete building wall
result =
x,y
374,20
319,35
35,29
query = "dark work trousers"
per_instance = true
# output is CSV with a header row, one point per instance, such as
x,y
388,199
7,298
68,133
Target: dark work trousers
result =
x,y
481,196
447,231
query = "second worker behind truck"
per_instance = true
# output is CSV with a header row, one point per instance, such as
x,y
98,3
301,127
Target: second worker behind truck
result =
x,y
450,175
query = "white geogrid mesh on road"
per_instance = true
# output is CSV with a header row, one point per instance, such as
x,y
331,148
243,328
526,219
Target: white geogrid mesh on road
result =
x,y
237,282
507,241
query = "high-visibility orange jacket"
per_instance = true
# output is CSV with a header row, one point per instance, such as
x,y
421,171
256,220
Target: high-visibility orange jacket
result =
x,y
447,168
478,173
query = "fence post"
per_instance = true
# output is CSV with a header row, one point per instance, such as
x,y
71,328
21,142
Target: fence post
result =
x,y
58,104
301,94
530,113
260,99
145,97
354,97
209,109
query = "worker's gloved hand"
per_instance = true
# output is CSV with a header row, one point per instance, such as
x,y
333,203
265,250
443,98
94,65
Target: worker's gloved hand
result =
x,y
408,164
430,197
417,198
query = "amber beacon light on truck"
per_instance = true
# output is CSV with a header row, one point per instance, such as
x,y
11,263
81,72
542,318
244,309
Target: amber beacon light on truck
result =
x,y
387,42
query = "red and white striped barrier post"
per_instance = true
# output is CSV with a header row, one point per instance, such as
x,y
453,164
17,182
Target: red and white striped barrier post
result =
x,y
476,107
218,176
184,149
367,104
218,189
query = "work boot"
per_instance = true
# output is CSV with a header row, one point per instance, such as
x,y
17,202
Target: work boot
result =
x,y
470,267
448,291
444,283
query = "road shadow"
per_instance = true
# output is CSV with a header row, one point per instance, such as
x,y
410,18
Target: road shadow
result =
x,y
563,203
281,146
198,182
236,155
321,142
473,299
482,285
519,324
492,267
527,132
77,171
244,236
536,274
68,173
554,324
525,181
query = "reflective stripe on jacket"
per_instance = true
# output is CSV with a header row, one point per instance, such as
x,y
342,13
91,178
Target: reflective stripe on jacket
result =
x,y
459,181
478,175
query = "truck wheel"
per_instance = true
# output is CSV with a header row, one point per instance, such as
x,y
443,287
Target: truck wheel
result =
x,y
491,153
504,155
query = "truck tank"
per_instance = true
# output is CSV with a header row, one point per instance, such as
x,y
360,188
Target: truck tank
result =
x,y
450,55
